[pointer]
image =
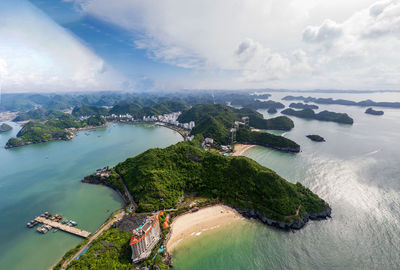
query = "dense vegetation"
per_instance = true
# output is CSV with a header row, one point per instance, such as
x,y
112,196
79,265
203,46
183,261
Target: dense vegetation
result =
x,y
138,111
374,112
38,114
110,251
159,177
4,127
88,110
342,118
55,129
303,106
215,120
363,103
35,132
246,136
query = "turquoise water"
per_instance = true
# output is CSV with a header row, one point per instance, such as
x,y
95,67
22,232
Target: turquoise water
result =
x,y
46,177
357,171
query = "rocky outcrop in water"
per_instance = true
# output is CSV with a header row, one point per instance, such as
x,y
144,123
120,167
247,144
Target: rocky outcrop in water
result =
x,y
295,224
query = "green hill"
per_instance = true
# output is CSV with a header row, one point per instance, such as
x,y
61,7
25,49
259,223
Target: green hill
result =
x,y
138,111
159,177
88,110
216,120
35,132
55,129
38,114
342,118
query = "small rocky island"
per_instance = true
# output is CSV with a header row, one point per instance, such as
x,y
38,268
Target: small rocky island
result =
x,y
316,138
272,110
373,112
4,127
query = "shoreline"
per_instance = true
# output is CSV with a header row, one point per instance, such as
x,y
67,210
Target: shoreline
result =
x,y
241,148
192,224
176,129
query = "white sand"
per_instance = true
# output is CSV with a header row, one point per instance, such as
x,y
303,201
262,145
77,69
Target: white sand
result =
x,y
193,224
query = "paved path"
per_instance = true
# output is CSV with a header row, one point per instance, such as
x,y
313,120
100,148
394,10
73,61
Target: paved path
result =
x,y
99,232
63,227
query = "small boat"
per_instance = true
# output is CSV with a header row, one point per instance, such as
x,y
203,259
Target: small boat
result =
x,y
31,224
55,230
73,223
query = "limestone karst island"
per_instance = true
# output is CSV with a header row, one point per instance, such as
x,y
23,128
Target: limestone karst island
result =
x,y
188,135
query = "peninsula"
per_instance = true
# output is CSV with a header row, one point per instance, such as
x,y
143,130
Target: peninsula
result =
x,y
56,129
159,177
342,118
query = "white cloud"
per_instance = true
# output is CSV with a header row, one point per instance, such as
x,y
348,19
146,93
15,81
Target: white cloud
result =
x,y
39,55
228,43
328,31
365,54
266,43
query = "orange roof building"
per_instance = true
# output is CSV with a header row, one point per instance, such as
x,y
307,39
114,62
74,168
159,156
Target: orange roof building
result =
x,y
144,239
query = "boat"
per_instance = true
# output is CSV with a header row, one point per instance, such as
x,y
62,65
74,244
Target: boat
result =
x,y
73,223
32,223
55,230
43,229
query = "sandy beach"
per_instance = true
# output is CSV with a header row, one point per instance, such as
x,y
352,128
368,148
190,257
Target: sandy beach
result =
x,y
241,148
193,224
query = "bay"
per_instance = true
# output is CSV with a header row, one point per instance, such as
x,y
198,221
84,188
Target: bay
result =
x,y
46,177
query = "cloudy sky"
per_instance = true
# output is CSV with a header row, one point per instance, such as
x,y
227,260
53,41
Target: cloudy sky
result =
x,y
74,45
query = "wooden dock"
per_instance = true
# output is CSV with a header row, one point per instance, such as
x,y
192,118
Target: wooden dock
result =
x,y
63,227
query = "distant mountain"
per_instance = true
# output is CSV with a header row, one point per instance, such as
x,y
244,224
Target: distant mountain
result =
x,y
364,103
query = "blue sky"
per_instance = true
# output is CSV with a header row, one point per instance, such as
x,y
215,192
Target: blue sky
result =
x,y
113,43
136,45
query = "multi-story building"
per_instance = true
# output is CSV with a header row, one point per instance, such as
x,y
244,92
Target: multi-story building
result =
x,y
144,239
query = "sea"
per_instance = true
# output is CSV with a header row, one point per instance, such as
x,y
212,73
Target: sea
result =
x,y
46,177
357,171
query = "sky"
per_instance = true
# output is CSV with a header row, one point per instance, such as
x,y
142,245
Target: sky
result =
x,y
129,45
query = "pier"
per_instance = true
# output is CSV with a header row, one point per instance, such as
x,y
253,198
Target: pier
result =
x,y
63,227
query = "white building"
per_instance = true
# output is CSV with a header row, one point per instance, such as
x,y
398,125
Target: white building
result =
x,y
144,239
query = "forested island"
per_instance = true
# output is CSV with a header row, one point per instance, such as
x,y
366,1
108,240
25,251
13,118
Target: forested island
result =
x,y
272,110
342,118
4,127
364,103
56,129
373,112
216,120
316,138
303,106
158,178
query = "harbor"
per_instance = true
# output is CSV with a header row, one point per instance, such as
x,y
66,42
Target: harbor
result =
x,y
55,223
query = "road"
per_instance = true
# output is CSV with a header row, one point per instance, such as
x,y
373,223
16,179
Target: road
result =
x,y
99,232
